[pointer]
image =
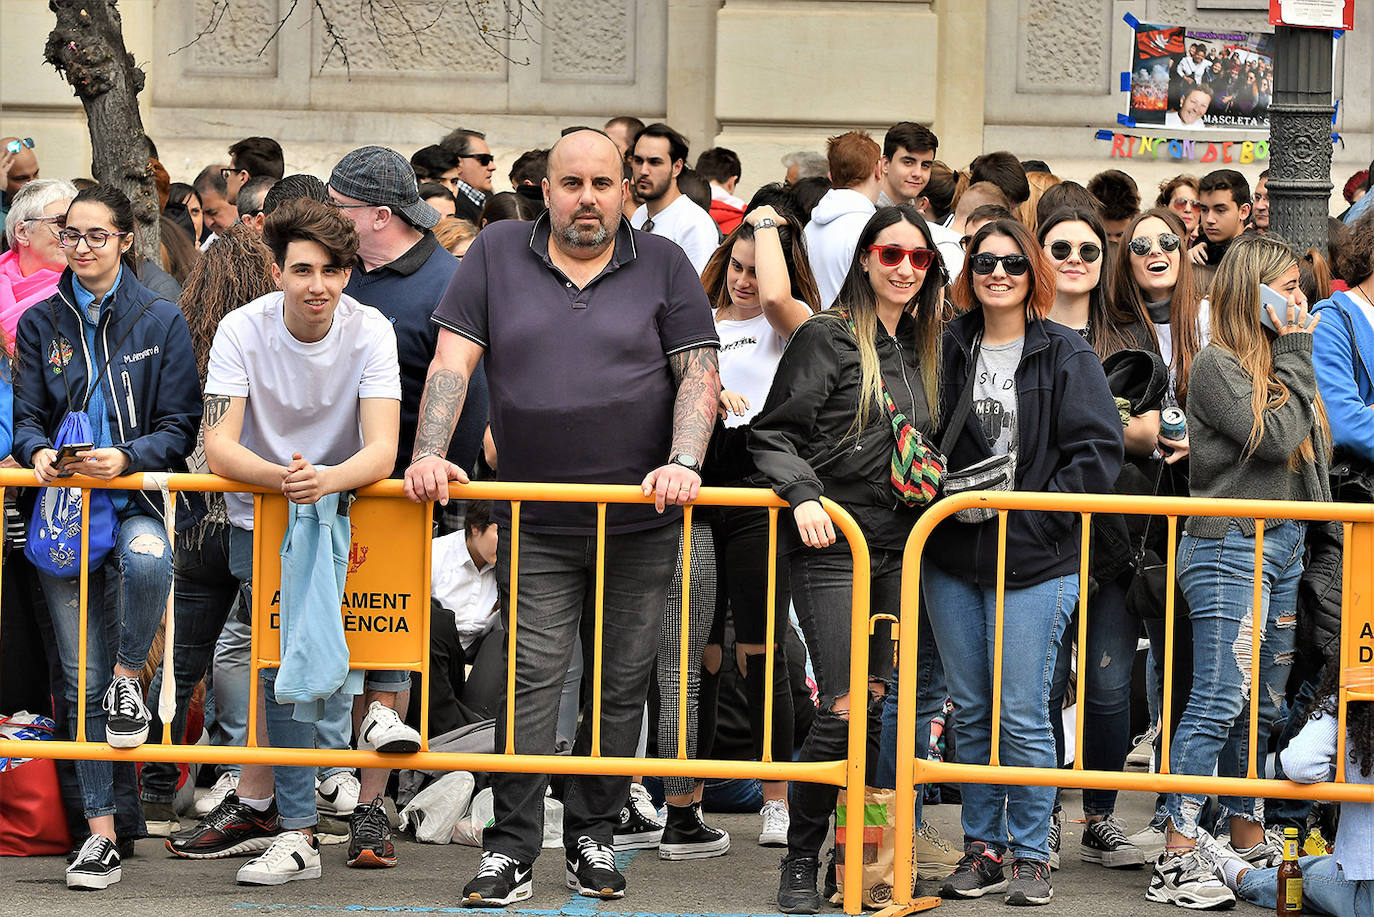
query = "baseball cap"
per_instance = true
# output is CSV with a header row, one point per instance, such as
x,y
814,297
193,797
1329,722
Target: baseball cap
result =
x,y
383,177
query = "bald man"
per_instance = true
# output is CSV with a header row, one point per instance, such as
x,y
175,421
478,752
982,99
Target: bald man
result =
x,y
18,167
602,369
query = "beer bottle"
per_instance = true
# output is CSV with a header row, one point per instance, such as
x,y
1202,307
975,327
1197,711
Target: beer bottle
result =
x,y
1290,877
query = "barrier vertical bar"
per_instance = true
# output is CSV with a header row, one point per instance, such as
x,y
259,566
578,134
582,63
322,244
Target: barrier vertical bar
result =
x,y
600,622
858,719
1086,538
83,614
259,619
1170,587
427,565
1343,688
511,626
995,755
682,644
1256,635
770,635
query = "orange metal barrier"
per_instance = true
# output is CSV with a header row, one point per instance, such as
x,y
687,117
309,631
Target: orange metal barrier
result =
x,y
1357,648
392,544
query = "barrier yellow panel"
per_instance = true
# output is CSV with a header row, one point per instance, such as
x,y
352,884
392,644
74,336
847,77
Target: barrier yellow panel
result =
x,y
386,595
1359,648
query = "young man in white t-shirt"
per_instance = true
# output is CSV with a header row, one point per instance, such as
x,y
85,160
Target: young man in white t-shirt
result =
x,y
303,396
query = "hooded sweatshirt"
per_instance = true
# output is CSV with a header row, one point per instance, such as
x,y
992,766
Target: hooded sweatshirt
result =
x,y
831,236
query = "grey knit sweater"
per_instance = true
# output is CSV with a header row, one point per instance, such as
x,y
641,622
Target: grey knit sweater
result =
x,y
1219,424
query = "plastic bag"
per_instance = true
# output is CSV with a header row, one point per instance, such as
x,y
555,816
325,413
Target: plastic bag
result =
x,y
470,827
435,810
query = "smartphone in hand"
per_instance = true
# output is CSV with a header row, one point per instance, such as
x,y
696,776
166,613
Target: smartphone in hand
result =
x,y
1272,297
67,463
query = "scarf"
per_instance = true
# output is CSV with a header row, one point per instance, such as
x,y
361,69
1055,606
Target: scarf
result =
x,y
18,292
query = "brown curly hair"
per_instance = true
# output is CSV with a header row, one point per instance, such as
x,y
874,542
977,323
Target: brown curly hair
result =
x,y
235,269
1356,253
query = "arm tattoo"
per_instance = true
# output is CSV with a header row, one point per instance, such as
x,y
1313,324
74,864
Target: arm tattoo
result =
x,y
697,373
440,406
216,406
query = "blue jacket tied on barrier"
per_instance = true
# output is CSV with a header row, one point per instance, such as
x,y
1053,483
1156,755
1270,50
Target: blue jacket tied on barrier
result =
x,y
314,565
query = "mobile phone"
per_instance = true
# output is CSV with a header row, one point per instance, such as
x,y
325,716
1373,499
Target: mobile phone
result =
x,y
1272,297
66,456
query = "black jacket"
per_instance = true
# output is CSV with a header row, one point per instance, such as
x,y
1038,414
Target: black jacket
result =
x,y
798,439
1070,441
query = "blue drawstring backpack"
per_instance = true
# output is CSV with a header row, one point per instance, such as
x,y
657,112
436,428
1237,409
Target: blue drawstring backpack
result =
x,y
54,540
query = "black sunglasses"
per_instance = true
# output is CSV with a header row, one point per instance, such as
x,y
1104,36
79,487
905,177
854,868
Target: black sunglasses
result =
x,y
483,159
1141,245
986,263
1088,252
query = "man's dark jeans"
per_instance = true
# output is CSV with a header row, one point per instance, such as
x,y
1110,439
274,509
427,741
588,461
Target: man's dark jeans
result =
x,y
557,583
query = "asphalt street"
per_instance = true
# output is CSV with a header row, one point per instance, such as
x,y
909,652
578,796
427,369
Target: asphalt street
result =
x,y
429,878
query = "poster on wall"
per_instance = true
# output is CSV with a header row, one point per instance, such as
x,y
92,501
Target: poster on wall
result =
x,y
1190,79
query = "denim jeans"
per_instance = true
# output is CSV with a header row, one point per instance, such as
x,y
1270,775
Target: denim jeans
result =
x,y
963,617
1105,667
1217,576
121,623
931,691
1325,890
556,588
822,592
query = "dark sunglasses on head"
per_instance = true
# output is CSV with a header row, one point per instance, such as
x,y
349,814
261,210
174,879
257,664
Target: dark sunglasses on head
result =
x,y
891,255
483,159
1088,252
1141,245
14,146
986,263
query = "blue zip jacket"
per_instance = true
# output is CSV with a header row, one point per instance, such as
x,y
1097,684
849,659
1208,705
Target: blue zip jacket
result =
x,y
1070,441
1343,377
152,393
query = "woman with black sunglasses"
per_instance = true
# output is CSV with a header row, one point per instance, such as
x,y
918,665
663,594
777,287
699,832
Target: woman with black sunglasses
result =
x,y
1017,385
825,430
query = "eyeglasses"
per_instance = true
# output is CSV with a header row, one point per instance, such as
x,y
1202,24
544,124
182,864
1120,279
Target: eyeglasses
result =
x,y
1143,245
54,223
891,256
14,146
1088,252
95,238
483,159
1184,204
225,173
986,263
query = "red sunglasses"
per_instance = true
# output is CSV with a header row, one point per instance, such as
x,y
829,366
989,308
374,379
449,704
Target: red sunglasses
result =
x,y
891,255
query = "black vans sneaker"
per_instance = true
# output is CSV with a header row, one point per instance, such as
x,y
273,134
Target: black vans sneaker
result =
x,y
978,873
126,716
500,880
688,837
591,870
1030,883
1106,844
797,886
96,865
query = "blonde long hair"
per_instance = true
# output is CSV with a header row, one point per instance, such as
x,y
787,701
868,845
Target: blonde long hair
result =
x,y
1250,261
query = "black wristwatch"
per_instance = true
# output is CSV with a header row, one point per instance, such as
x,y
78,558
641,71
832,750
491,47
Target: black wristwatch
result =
x,y
686,460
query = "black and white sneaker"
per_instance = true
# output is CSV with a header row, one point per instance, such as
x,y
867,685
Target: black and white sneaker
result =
x,y
383,730
688,837
978,873
500,880
1106,844
126,716
639,827
96,865
1188,880
592,872
1056,836
292,856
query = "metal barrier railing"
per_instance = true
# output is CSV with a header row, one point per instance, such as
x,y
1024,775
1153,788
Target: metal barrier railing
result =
x,y
1357,649
269,509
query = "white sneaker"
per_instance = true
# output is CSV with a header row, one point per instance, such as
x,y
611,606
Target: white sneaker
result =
x,y
1188,880
227,783
1142,754
1150,840
775,822
382,730
1267,853
292,856
1227,865
337,794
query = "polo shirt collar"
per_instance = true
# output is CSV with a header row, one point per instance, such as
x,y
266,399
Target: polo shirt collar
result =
x,y
477,197
410,262
625,249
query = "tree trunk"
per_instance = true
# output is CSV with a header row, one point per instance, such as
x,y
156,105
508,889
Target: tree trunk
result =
x,y
87,47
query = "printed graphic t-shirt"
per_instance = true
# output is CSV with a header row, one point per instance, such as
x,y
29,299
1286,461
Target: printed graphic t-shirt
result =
x,y
994,393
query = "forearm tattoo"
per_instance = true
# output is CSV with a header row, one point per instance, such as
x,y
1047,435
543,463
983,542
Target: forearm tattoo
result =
x,y
216,406
439,409
697,373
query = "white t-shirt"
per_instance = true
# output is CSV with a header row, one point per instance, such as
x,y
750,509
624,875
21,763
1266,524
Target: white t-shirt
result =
x,y
301,397
686,224
749,353
1164,333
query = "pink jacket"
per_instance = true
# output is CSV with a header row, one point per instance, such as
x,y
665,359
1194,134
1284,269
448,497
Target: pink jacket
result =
x,y
18,292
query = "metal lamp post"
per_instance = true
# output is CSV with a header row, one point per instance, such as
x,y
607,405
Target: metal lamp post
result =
x,y
1300,136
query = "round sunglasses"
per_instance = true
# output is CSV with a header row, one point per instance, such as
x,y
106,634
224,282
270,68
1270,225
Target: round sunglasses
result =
x,y
1142,245
1088,252
986,263
891,256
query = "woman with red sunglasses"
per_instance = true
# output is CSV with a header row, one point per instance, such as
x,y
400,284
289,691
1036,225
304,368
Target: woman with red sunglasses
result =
x,y
1015,385
825,430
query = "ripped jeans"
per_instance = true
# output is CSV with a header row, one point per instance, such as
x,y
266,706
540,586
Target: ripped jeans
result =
x,y
1217,576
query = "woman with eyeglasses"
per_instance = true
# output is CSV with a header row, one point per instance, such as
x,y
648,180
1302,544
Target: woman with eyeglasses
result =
x,y
1076,243
826,429
1012,384
1180,194
106,344
29,271
1258,430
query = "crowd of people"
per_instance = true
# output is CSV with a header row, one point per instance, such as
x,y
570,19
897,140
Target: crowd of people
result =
x,y
871,321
